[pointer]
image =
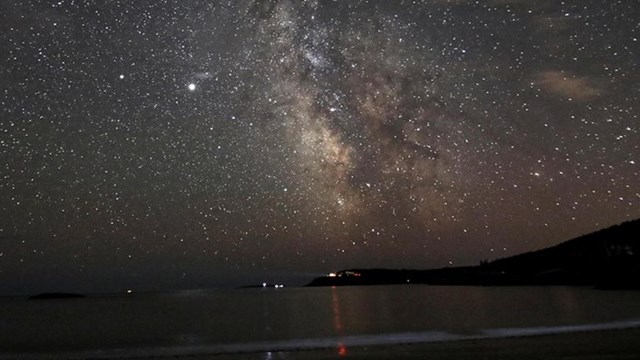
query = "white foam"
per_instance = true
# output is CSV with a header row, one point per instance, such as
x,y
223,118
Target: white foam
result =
x,y
325,343
549,330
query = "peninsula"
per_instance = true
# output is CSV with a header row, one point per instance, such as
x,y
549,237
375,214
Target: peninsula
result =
x,y
608,258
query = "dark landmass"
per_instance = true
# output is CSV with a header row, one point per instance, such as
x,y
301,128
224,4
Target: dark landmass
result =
x,y
608,258
52,296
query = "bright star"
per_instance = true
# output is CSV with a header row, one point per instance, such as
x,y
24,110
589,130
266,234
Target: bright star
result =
x,y
192,87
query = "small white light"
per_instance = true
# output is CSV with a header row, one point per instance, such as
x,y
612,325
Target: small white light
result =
x,y
192,87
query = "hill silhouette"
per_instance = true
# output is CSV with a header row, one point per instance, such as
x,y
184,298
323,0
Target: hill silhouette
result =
x,y
608,258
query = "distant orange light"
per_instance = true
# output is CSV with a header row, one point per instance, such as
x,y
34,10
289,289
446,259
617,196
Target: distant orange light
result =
x,y
342,350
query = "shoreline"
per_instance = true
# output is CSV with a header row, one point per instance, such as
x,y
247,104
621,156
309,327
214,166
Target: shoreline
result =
x,y
583,345
616,340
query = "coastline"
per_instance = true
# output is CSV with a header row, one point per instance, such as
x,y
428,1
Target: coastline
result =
x,y
615,340
584,345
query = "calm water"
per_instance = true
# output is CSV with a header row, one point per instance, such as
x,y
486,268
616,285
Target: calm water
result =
x,y
258,320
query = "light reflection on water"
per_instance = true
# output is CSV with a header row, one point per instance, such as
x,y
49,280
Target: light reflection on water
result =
x,y
337,321
335,306
261,316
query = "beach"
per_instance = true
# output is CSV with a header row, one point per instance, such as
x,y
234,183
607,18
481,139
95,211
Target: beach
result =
x,y
609,344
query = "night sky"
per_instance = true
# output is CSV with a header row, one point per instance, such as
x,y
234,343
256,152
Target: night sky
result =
x,y
180,144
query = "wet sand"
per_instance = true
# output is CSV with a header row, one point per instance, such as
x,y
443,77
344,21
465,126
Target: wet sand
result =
x,y
591,345
610,344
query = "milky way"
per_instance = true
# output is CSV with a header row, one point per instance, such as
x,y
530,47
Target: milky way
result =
x,y
190,144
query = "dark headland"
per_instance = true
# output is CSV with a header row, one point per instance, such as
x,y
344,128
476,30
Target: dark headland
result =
x,y
608,258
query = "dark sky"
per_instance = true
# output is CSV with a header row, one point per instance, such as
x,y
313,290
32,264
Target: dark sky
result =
x,y
163,144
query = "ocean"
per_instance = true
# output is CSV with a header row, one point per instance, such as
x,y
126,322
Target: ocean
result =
x,y
210,322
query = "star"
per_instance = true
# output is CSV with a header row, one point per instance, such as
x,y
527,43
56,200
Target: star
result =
x,y
248,136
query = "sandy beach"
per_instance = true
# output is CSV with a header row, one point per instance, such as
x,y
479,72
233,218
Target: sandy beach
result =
x,y
588,345
610,344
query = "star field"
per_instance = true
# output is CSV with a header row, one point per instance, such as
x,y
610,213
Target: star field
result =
x,y
186,144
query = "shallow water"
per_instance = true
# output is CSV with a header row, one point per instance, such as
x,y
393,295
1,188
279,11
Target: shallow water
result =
x,y
197,322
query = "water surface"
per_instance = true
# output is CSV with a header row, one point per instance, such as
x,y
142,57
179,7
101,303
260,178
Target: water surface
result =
x,y
264,319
